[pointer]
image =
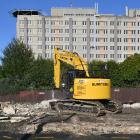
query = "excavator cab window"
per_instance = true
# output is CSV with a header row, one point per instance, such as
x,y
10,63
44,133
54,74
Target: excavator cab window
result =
x,y
68,78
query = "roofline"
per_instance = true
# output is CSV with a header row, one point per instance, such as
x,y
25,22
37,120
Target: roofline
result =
x,y
16,12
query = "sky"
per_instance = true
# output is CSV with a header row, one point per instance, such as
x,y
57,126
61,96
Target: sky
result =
x,y
8,22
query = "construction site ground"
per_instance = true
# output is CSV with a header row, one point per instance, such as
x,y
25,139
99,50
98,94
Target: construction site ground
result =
x,y
38,122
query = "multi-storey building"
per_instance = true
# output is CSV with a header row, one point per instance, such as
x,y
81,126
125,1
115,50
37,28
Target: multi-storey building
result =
x,y
93,36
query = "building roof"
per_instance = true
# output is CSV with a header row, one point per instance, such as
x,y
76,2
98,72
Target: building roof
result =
x,y
25,12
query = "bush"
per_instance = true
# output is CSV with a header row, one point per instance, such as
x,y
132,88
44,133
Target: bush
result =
x,y
10,86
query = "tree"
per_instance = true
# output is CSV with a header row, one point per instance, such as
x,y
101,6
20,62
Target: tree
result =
x,y
40,75
130,71
97,69
17,59
114,73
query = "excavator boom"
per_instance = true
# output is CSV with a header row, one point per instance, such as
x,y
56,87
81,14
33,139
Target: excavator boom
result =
x,y
70,58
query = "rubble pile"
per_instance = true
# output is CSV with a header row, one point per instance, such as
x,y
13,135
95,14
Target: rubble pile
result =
x,y
39,114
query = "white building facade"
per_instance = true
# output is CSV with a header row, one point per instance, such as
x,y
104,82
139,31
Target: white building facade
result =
x,y
93,36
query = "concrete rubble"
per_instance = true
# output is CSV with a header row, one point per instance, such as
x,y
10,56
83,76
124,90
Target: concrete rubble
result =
x,y
124,123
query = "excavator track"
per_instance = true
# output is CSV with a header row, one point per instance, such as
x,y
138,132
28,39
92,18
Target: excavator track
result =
x,y
79,107
90,108
112,106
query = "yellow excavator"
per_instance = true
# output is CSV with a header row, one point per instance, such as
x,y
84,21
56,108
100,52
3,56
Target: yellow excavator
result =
x,y
83,94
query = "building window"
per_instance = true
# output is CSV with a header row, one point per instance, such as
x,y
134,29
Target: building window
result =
x,y
73,22
84,30
133,32
105,47
119,39
125,39
84,47
47,47
91,22
133,48
29,22
125,23
118,31
91,30
74,47
66,22
133,23
112,55
21,30
74,30
118,23
52,22
112,39
119,55
39,21
97,39
84,39
60,30
84,55
46,21
91,55
39,30
112,47
112,31
84,23
105,31
60,22
97,31
66,30
52,38
52,30
119,47
67,47
46,38
125,47
97,55
111,23
74,39
21,21
125,55
39,38
133,39
97,23
105,55
47,55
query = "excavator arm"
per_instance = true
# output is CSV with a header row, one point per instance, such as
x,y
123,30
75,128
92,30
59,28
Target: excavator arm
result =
x,y
70,58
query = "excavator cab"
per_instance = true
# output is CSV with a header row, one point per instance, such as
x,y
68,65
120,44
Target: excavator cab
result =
x,y
68,78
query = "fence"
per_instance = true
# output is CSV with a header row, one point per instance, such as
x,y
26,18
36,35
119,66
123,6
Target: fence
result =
x,y
124,95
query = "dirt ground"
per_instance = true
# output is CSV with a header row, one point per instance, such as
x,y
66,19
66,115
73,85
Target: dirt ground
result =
x,y
125,123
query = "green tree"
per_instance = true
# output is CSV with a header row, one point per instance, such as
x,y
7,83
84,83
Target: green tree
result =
x,y
130,71
97,69
40,75
17,59
114,73
1,72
